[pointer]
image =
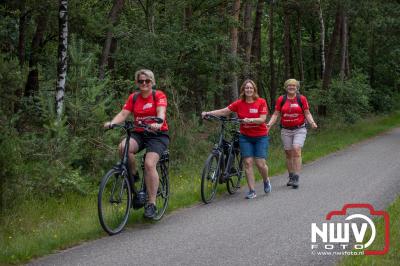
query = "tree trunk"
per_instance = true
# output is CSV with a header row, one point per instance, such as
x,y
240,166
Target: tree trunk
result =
x,y
32,83
112,21
272,91
347,63
22,31
234,47
62,56
113,49
19,93
326,81
256,43
314,53
148,10
187,16
287,43
299,47
371,54
247,37
322,25
343,48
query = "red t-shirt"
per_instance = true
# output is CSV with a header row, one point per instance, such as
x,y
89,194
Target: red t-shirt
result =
x,y
145,107
251,110
291,113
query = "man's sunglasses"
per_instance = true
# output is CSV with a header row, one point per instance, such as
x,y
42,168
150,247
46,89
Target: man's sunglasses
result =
x,y
142,81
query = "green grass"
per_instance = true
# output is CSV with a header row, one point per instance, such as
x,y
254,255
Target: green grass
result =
x,y
36,228
393,256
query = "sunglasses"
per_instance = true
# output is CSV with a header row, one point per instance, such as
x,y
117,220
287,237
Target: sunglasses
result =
x,y
142,81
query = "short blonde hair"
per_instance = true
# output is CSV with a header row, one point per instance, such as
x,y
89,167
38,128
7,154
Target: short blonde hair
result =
x,y
147,73
255,95
291,82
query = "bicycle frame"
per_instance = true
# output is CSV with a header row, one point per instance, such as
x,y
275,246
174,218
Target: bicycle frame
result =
x,y
117,194
124,163
225,154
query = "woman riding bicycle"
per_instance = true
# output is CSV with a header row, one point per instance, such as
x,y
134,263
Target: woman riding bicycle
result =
x,y
147,102
253,133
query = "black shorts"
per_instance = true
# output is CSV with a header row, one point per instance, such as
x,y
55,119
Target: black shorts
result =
x,y
157,143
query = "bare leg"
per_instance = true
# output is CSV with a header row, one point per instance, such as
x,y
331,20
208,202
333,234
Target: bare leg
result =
x,y
248,169
133,148
297,161
289,161
152,179
262,168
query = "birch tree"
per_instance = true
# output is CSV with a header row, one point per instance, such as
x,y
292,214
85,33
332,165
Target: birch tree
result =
x,y
322,25
62,56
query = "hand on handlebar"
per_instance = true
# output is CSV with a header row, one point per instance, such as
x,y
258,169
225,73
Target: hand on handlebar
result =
x,y
107,125
155,126
203,114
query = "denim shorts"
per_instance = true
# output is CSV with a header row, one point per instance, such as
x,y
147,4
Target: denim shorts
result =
x,y
256,147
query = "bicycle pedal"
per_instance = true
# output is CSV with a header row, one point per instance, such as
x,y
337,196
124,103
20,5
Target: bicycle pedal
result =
x,y
136,204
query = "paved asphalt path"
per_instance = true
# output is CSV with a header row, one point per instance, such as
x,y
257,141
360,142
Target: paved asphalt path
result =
x,y
272,229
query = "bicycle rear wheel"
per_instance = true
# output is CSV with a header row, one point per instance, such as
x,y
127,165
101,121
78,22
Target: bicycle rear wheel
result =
x,y
236,174
162,192
114,201
209,178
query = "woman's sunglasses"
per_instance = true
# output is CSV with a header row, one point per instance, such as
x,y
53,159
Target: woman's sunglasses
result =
x,y
142,81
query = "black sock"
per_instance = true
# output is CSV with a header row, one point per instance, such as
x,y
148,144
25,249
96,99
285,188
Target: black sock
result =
x,y
291,174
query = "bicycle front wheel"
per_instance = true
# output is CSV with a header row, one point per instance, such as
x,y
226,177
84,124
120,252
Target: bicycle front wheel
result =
x,y
162,192
236,173
114,201
209,178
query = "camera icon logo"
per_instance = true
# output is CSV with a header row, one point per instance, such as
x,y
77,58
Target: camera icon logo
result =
x,y
335,236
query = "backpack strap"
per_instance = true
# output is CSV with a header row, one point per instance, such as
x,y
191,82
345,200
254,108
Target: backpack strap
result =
x,y
283,100
298,98
136,95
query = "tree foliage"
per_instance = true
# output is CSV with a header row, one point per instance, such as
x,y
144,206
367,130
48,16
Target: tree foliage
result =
x,y
188,45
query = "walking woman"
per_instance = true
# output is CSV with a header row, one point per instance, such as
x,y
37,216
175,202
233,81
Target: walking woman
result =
x,y
294,110
253,133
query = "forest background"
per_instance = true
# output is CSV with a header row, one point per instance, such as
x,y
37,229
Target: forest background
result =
x,y
68,66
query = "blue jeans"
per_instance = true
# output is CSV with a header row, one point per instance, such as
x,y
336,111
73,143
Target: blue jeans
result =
x,y
256,147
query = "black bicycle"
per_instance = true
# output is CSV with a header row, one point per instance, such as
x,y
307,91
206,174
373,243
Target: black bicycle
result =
x,y
119,192
224,164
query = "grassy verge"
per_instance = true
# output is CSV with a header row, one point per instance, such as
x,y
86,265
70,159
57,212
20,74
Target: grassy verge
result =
x,y
393,256
37,228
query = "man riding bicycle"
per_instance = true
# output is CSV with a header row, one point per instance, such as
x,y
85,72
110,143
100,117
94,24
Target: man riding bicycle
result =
x,y
145,103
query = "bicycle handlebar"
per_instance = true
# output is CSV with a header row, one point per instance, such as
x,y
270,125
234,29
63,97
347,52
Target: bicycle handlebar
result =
x,y
222,118
129,125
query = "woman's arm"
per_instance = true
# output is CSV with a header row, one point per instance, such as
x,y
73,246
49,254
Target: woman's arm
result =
x,y
310,118
220,112
273,119
259,120
161,110
119,118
